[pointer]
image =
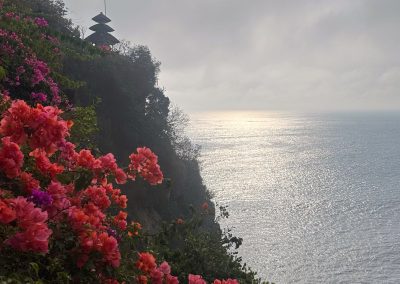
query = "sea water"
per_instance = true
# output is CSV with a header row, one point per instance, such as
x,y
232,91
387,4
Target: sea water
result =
x,y
316,198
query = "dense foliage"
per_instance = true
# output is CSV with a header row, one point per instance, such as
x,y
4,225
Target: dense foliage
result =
x,y
65,102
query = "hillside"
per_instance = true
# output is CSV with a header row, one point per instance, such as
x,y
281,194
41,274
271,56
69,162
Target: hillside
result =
x,y
111,103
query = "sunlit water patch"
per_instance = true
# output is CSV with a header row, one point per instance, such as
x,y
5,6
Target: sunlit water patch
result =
x,y
315,197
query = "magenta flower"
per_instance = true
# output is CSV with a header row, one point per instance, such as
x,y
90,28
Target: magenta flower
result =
x,y
41,22
40,198
41,97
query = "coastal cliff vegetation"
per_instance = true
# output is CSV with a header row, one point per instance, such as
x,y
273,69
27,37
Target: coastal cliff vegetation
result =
x,y
83,199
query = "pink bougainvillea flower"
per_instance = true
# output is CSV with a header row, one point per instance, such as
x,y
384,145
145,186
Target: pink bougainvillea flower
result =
x,y
205,206
146,262
35,238
39,68
98,196
40,126
196,279
29,182
44,165
109,249
86,160
39,97
142,279
169,279
35,233
145,163
7,213
120,176
156,276
41,22
27,213
60,201
165,268
120,220
11,158
227,281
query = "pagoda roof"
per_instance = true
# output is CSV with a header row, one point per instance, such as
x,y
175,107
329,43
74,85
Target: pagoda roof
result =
x,y
102,39
101,28
101,18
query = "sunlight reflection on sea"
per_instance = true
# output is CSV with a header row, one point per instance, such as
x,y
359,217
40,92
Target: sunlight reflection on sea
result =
x,y
315,197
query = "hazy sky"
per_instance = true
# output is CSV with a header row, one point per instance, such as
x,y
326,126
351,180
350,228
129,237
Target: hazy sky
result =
x,y
262,54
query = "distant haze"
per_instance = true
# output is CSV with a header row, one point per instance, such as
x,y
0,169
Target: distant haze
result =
x,y
259,54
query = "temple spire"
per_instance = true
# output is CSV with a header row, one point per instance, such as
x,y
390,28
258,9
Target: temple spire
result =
x,y
101,35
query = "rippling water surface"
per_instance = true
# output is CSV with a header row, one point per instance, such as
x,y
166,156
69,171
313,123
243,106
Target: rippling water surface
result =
x,y
315,197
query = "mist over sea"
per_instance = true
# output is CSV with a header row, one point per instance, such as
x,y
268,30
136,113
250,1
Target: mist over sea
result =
x,y
316,198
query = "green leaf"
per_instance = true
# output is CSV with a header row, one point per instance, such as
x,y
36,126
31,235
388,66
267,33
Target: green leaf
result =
x,y
35,268
2,73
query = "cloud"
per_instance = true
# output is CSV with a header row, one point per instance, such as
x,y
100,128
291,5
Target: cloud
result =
x,y
260,54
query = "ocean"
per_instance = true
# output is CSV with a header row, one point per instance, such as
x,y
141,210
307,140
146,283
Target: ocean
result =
x,y
316,198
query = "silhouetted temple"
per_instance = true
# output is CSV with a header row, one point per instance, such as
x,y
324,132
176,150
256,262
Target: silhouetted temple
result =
x,y
101,35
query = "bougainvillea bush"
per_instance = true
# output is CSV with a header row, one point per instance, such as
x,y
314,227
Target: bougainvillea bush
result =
x,y
59,209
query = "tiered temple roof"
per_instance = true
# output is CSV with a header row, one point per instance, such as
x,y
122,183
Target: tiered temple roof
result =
x,y
101,35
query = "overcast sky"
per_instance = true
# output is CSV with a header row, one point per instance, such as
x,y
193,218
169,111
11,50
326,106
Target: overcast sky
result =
x,y
265,54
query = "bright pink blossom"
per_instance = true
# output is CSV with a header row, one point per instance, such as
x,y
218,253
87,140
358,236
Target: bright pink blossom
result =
x,y
41,126
86,160
27,213
35,233
108,163
39,97
120,220
7,213
35,238
108,246
29,182
156,276
120,176
196,279
44,165
11,158
39,68
60,201
146,262
165,268
227,281
145,163
98,196
142,279
169,279
41,22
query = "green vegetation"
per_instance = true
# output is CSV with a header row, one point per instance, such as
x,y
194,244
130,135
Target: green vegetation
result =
x,y
116,105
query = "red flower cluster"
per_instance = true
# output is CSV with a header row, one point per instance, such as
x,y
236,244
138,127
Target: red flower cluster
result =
x,y
11,158
145,163
146,262
44,165
134,229
43,133
39,68
33,232
41,22
158,275
40,126
228,281
7,213
196,279
105,165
